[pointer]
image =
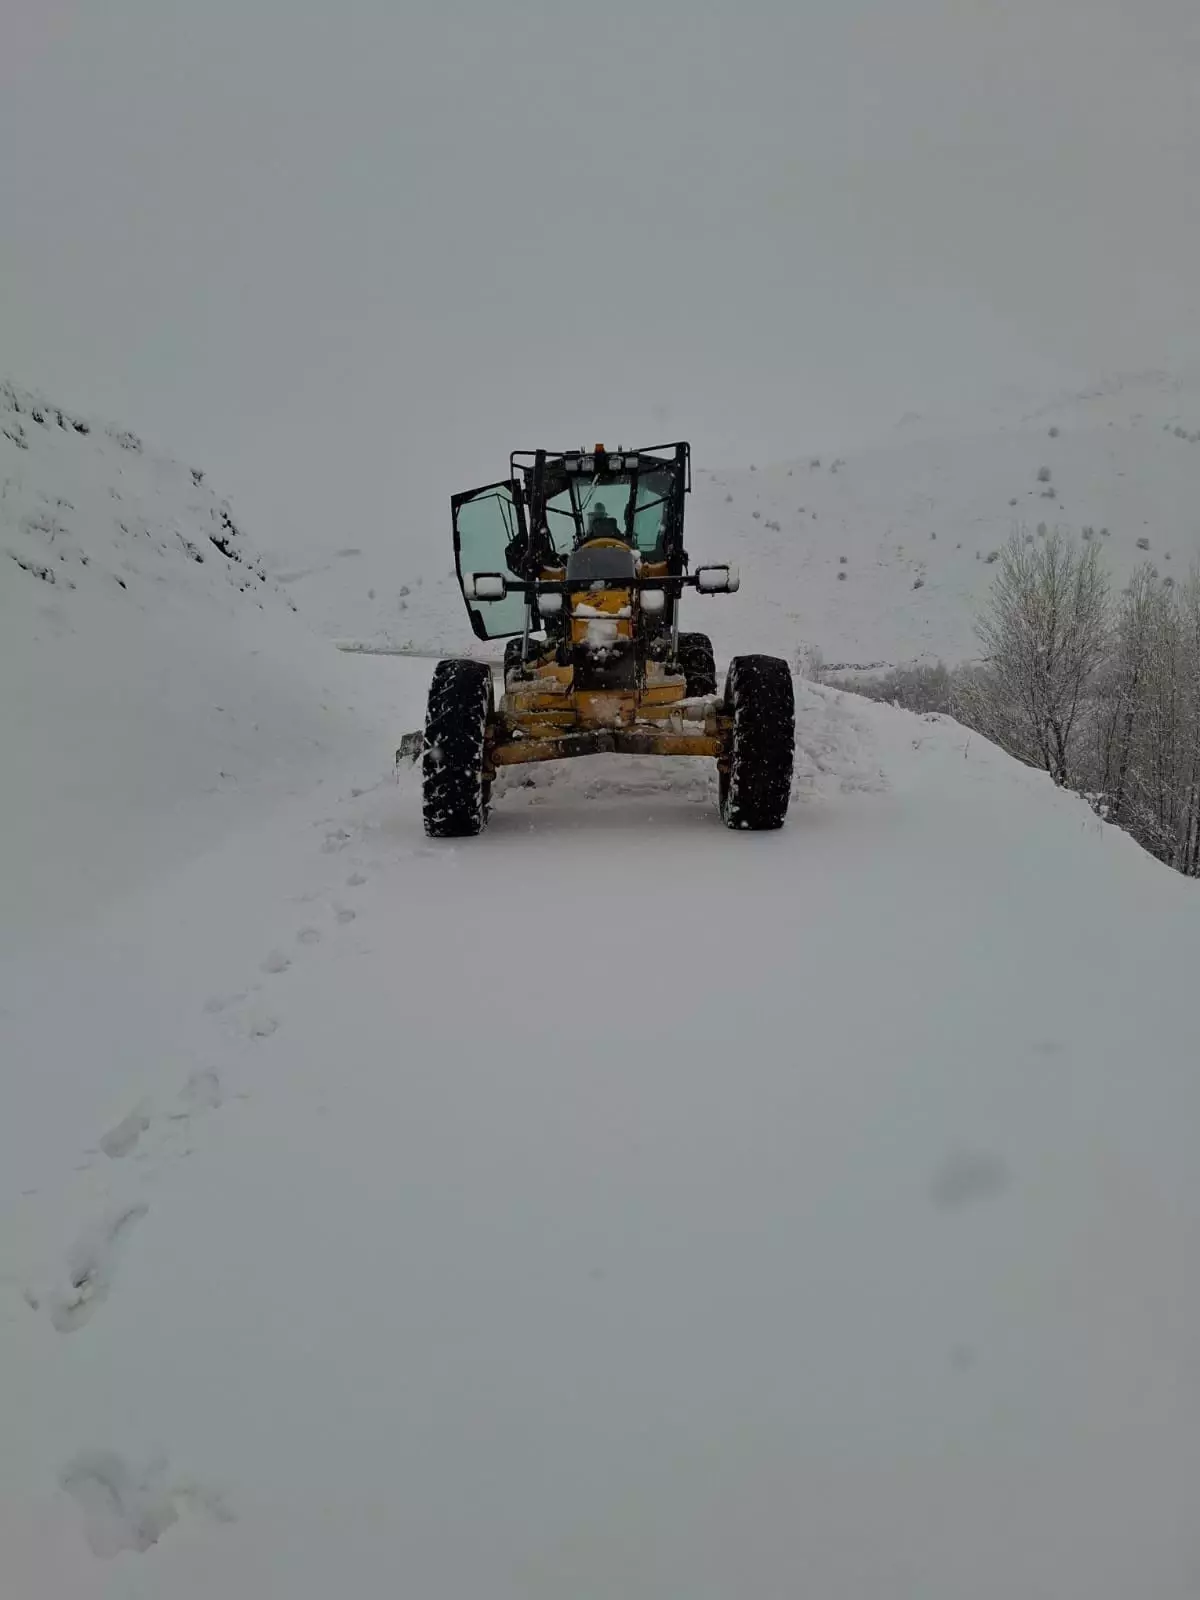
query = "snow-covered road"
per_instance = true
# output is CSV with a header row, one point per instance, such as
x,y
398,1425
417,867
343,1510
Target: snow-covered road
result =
x,y
614,1206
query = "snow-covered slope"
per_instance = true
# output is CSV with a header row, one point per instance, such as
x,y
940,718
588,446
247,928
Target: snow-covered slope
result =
x,y
883,555
88,505
148,667
613,1205
880,555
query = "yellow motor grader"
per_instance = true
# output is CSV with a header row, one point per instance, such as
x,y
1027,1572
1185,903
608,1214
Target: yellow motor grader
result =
x,y
577,558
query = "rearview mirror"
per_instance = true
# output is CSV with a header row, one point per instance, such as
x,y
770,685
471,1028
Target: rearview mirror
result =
x,y
724,579
485,586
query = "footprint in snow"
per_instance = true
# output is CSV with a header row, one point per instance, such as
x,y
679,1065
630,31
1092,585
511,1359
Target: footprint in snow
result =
x,y
355,880
91,1266
277,961
346,915
123,1138
127,1509
202,1091
216,1003
260,1025
309,936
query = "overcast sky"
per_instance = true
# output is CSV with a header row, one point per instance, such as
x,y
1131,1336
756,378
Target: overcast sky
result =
x,y
346,255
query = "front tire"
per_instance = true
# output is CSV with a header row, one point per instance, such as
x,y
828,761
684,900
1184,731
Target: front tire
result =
x,y
756,779
695,658
455,793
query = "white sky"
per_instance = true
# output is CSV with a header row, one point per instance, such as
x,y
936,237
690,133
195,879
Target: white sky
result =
x,y
345,256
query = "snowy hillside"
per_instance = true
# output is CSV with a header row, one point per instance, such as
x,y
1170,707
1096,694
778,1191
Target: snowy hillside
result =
x,y
87,505
149,666
879,556
883,555
615,1204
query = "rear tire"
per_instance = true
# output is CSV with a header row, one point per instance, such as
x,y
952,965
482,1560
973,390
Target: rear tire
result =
x,y
696,662
455,794
761,701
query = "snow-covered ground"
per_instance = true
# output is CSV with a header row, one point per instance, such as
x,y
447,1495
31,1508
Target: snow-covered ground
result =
x,y
612,1205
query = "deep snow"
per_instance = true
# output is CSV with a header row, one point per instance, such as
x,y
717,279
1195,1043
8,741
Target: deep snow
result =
x,y
614,1205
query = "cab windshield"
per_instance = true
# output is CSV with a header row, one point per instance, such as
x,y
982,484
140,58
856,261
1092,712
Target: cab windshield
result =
x,y
598,508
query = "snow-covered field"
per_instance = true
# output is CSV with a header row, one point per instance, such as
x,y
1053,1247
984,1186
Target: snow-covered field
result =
x,y
613,1205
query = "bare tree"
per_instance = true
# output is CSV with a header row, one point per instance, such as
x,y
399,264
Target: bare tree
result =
x,y
1122,689
1144,771
1044,633
1188,602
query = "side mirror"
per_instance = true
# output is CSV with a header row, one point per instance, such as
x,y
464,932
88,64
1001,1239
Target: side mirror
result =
x,y
724,579
485,586
550,603
654,601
